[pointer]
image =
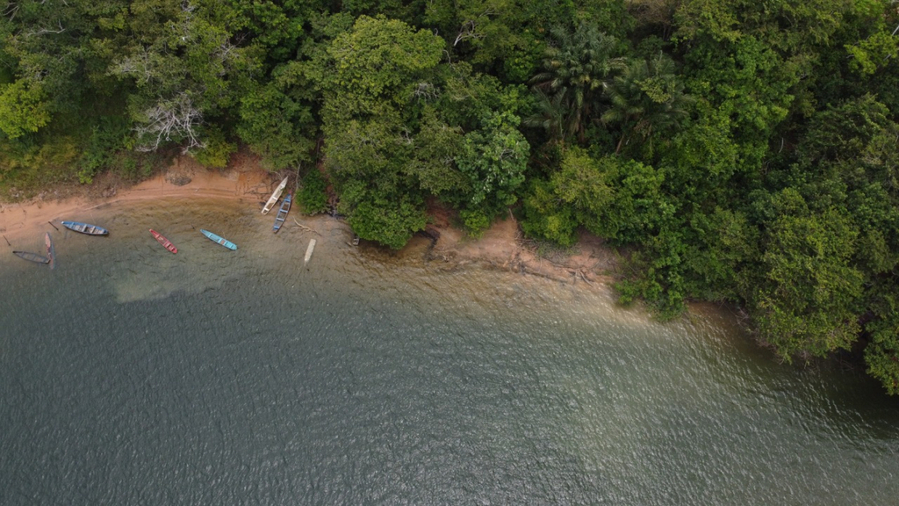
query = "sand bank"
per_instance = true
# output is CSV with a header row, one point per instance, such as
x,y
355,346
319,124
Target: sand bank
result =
x,y
185,178
501,246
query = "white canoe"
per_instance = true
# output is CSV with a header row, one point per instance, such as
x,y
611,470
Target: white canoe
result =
x,y
309,251
275,196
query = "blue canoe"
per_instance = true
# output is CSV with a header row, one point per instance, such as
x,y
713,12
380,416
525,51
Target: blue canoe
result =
x,y
282,214
219,239
85,228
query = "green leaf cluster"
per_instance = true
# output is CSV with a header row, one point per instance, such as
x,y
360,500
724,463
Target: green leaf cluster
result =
x,y
313,196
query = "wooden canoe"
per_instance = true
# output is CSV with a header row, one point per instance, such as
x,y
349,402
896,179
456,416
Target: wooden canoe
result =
x,y
51,251
32,257
219,240
275,196
282,214
85,228
309,251
165,242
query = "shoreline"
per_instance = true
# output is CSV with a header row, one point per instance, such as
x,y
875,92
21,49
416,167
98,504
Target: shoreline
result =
x,y
501,246
184,179
590,263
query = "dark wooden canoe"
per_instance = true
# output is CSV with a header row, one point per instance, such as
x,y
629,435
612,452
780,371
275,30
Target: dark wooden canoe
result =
x,y
32,257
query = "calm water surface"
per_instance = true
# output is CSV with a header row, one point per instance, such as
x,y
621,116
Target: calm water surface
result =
x,y
132,376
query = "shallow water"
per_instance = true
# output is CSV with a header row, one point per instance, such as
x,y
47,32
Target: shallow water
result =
x,y
132,376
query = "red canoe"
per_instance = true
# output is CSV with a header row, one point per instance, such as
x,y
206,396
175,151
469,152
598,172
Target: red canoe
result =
x,y
165,242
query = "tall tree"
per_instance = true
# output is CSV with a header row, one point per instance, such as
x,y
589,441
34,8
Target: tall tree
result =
x,y
577,70
184,67
52,58
807,303
647,98
276,118
370,76
493,160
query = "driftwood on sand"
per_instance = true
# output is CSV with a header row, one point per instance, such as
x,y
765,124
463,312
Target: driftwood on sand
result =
x,y
304,227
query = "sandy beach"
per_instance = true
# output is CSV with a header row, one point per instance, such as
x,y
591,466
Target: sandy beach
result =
x,y
501,246
184,178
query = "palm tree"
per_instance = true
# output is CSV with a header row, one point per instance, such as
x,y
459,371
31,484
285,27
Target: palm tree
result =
x,y
549,116
575,73
647,98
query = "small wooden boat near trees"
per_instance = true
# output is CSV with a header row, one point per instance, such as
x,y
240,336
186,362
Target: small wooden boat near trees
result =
x,y
165,242
219,239
51,251
309,251
85,228
275,196
32,257
282,214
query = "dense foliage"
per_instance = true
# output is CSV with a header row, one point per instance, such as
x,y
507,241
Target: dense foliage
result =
x,y
739,151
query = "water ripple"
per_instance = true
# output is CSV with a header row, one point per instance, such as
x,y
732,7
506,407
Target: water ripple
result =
x,y
132,376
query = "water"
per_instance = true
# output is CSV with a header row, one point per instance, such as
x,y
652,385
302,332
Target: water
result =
x,y
132,376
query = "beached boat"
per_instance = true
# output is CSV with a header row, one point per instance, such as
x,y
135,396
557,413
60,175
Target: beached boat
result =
x,y
309,251
275,196
32,257
85,228
219,239
165,242
282,214
51,251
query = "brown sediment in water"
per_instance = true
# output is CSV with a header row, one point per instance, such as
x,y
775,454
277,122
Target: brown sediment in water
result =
x,y
502,246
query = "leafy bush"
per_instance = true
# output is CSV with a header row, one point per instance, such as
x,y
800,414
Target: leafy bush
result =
x,y
217,151
25,170
545,218
23,108
376,214
389,224
107,137
313,195
476,222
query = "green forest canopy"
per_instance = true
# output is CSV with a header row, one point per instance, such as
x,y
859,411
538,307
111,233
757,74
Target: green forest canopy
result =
x,y
743,151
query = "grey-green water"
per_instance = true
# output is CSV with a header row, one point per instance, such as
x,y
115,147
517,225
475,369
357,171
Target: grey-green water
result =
x,y
132,376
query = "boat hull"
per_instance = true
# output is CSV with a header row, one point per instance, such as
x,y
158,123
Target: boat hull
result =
x,y
282,213
32,257
85,228
309,250
165,242
51,251
219,240
275,196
